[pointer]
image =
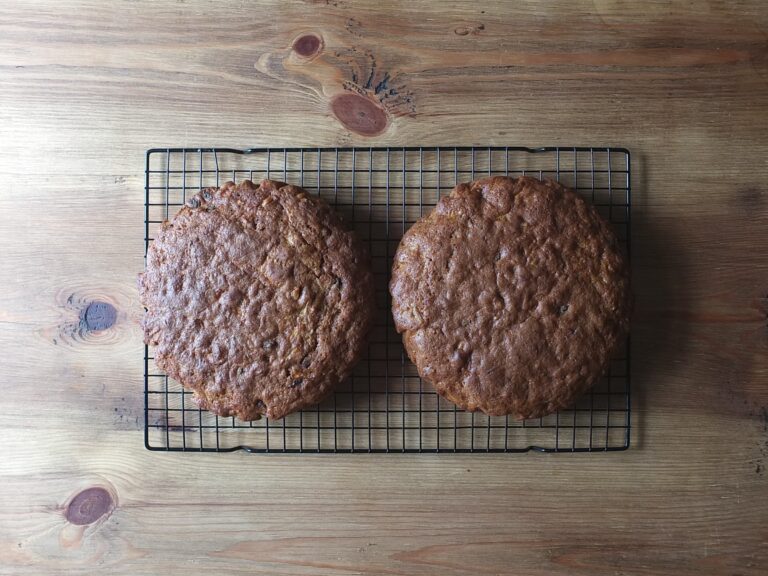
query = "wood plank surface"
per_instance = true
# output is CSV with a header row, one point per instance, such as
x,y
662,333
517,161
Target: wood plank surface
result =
x,y
87,87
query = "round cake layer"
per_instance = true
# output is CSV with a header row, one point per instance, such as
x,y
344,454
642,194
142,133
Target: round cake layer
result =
x,y
257,298
511,296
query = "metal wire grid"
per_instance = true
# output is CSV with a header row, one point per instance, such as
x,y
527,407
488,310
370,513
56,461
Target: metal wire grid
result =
x,y
384,406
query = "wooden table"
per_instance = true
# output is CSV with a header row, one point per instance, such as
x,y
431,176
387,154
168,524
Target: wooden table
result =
x,y
87,87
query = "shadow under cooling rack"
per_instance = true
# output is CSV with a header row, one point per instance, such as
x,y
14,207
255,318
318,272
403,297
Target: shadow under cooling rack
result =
x,y
384,406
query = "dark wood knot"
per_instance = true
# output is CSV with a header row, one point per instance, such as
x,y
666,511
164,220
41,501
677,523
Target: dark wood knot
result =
x,y
307,45
88,506
359,114
99,316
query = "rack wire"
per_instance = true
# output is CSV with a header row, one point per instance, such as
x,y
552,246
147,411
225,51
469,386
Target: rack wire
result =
x,y
384,406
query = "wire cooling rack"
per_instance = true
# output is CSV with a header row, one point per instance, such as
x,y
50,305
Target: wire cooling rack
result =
x,y
384,406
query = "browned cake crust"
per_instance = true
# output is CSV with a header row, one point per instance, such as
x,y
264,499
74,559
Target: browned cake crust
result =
x,y
257,299
511,296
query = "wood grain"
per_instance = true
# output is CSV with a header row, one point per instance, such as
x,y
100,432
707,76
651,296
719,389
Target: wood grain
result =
x,y
86,87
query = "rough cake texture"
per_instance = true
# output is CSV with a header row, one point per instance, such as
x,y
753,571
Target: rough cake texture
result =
x,y
511,296
257,299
